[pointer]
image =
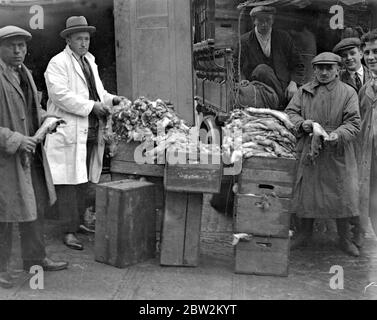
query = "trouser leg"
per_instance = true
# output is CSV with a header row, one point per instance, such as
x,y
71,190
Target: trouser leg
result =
x,y
67,206
358,231
5,244
32,233
266,74
32,240
305,233
343,226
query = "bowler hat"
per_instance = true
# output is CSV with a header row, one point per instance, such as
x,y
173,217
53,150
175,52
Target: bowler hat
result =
x,y
76,24
13,31
326,58
346,43
262,9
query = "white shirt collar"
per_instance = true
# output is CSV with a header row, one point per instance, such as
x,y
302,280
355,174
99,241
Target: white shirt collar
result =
x,y
360,73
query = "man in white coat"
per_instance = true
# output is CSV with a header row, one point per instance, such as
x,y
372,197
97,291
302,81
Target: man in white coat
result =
x,y
75,152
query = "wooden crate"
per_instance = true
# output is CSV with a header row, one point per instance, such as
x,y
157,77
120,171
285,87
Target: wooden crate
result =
x,y
260,216
125,222
158,182
261,175
202,178
262,256
124,162
180,244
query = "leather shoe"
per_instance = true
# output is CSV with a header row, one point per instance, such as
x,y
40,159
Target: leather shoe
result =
x,y
6,281
47,264
72,242
348,247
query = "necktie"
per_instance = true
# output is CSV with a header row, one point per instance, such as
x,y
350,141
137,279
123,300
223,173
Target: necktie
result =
x,y
357,81
85,66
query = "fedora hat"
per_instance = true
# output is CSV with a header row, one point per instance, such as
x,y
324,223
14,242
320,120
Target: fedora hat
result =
x,y
76,24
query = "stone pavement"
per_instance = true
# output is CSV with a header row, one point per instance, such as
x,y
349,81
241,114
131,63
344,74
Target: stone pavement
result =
x,y
308,278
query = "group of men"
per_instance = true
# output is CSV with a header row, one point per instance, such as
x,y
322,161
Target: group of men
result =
x,y
35,176
341,182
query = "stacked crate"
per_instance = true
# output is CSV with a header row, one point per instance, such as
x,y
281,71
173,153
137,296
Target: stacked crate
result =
x,y
125,222
262,210
184,186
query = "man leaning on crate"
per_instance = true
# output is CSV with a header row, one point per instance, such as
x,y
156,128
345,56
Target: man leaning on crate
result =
x,y
75,152
327,176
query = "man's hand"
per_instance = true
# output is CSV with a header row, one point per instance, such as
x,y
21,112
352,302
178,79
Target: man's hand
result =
x,y
333,138
101,110
307,126
118,99
291,90
28,144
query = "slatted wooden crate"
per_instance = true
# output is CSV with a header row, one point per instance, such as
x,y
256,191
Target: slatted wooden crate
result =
x,y
125,222
124,162
180,244
262,215
261,175
262,256
192,177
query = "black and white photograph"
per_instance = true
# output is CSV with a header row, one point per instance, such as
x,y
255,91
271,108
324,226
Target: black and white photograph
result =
x,y
188,156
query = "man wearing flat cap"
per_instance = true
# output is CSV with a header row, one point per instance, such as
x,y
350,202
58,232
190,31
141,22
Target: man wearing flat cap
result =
x,y
327,177
355,74
75,152
26,187
274,49
366,143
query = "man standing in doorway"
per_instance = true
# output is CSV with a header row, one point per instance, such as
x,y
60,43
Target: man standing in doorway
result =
x,y
75,152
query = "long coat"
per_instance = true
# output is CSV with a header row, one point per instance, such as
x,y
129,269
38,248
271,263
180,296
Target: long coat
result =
x,y
17,199
366,152
287,61
327,188
345,76
69,99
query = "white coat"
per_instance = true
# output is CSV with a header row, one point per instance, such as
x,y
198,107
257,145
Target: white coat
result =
x,y
69,98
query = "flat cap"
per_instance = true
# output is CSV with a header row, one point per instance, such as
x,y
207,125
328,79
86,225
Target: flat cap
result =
x,y
326,58
13,31
346,43
262,9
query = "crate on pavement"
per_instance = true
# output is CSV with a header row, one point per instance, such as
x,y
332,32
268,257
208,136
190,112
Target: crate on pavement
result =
x,y
263,208
125,222
194,177
180,243
262,256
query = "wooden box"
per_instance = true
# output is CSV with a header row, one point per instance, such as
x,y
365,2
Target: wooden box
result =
x,y
125,222
262,256
261,215
124,162
202,178
180,243
261,175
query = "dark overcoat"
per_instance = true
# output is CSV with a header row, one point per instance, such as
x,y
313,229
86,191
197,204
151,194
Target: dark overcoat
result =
x,y
17,199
